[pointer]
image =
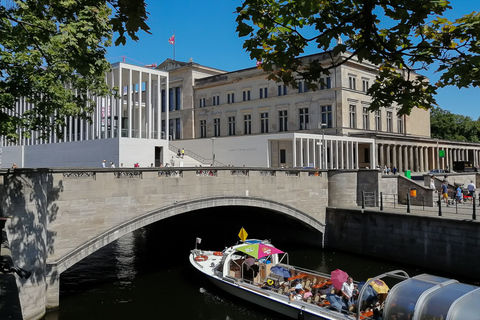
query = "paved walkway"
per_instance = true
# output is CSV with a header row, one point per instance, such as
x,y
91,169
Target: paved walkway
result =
x,y
460,211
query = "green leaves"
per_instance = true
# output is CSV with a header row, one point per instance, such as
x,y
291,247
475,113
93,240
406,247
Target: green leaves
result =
x,y
396,35
52,53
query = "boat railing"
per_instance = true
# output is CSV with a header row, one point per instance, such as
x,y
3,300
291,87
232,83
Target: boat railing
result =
x,y
397,274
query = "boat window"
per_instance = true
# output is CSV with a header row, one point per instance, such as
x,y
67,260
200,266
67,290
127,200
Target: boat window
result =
x,y
403,297
438,302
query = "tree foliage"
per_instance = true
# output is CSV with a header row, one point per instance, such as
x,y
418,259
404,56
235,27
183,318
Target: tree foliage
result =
x,y
449,126
52,54
401,36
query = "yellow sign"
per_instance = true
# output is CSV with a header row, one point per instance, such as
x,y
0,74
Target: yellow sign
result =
x,y
243,234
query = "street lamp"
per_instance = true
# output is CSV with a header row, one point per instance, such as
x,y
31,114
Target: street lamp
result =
x,y
213,151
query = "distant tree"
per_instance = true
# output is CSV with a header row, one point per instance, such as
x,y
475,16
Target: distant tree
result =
x,y
449,126
52,53
396,35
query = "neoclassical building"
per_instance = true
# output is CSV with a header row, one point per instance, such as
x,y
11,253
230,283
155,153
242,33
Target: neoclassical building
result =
x,y
241,118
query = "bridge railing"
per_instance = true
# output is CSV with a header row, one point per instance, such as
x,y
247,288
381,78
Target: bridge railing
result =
x,y
168,172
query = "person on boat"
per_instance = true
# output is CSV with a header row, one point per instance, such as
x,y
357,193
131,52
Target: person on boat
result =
x,y
347,291
294,290
307,294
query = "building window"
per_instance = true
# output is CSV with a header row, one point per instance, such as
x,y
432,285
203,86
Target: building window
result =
x,y
264,122
231,126
247,124
378,120
389,121
283,120
327,116
400,124
202,103
282,90
263,93
246,95
170,100
302,87
178,128
366,118
353,116
178,99
203,128
216,100
216,127
231,97
365,85
303,119
163,100
352,82
283,156
326,83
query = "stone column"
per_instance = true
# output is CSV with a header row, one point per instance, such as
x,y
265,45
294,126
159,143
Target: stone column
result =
x,y
394,155
420,160
381,160
389,163
426,164
411,164
342,152
400,158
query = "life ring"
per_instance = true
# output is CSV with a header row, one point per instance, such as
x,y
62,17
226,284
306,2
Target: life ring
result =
x,y
217,253
201,258
270,282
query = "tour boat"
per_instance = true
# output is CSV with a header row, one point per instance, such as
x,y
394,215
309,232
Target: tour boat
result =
x,y
268,279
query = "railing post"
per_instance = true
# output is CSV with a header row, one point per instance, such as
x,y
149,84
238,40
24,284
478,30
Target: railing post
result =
x,y
408,203
381,201
474,213
363,199
439,205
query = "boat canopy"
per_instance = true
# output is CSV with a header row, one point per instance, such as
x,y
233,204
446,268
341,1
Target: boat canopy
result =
x,y
431,297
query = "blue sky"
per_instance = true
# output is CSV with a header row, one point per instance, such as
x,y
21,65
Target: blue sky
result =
x,y
205,32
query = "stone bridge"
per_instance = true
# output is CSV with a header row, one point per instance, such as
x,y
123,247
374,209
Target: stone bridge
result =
x,y
60,216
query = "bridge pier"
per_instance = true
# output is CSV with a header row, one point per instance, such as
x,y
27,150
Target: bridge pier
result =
x,y
25,198
52,295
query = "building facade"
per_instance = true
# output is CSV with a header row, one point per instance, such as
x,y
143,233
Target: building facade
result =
x,y
242,118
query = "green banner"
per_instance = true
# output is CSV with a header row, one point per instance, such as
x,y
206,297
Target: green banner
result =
x,y
441,153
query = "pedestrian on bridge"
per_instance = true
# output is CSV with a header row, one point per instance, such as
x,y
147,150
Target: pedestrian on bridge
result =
x,y
471,188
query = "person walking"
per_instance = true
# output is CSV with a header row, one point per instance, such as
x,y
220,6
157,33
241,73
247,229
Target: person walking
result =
x,y
445,191
471,188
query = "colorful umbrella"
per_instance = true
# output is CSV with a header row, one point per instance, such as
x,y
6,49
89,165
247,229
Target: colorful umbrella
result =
x,y
379,286
258,250
281,271
338,277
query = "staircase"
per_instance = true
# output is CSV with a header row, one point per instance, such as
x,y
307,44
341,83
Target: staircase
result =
x,y
190,159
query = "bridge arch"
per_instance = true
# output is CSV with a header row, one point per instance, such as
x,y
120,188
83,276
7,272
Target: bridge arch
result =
x,y
177,208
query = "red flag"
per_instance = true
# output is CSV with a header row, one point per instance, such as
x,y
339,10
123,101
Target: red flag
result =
x,y
171,40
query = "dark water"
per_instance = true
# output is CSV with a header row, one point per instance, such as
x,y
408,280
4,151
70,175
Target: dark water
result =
x,y
146,274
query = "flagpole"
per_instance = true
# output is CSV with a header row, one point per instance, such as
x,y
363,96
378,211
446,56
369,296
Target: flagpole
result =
x,y
175,40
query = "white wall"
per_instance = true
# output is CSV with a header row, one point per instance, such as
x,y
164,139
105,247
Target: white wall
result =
x,y
11,155
141,151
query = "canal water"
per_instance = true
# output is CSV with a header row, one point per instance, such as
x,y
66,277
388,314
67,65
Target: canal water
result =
x,y
146,274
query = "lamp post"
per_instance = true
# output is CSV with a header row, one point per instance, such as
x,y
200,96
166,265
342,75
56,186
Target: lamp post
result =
x,y
213,151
